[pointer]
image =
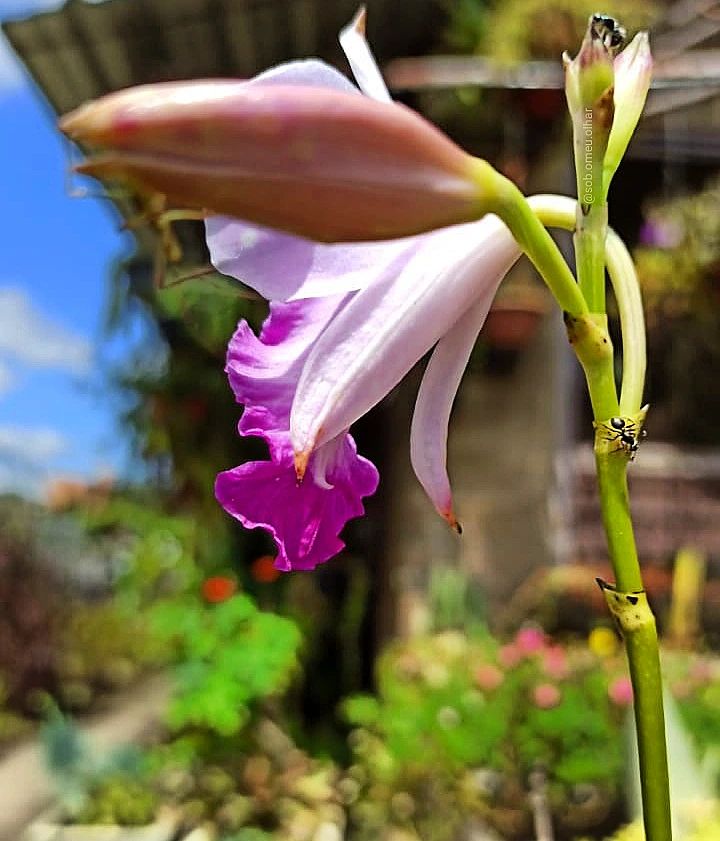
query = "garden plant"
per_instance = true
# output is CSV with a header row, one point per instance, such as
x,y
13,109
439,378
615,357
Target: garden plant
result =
x,y
376,239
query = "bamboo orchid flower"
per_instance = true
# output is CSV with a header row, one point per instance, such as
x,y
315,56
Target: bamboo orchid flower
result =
x,y
300,148
347,322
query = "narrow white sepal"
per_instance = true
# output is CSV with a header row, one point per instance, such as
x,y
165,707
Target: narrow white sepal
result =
x,y
361,60
441,380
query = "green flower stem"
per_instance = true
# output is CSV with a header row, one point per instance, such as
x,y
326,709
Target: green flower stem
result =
x,y
559,212
589,336
589,240
502,197
637,624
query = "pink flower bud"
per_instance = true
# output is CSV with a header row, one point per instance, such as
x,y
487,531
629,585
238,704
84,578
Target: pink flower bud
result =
x,y
326,164
546,696
621,692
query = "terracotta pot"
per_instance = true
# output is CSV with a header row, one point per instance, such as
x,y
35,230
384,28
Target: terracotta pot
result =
x,y
514,319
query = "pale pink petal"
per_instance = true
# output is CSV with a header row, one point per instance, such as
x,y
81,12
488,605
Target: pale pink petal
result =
x,y
308,73
440,382
264,370
388,326
282,267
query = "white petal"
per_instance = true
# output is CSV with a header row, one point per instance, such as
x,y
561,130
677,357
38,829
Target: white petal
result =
x,y
362,62
389,325
429,430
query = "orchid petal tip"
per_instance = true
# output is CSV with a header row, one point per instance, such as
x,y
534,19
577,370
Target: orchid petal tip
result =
x,y
359,22
301,462
453,522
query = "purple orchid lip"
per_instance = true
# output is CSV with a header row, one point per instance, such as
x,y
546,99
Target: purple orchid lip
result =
x,y
320,162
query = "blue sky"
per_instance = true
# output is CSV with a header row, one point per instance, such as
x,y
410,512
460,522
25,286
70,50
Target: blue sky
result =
x,y
56,411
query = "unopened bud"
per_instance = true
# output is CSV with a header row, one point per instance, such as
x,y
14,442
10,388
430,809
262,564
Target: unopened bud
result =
x,y
320,163
633,73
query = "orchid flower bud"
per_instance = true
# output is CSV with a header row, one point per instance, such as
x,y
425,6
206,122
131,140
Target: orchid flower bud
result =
x,y
589,79
324,164
633,73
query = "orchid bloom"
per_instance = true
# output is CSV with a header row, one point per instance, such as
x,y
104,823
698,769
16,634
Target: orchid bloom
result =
x,y
301,149
346,323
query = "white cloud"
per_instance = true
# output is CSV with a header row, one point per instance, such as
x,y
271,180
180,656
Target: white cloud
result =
x,y
31,444
7,379
34,339
24,456
11,74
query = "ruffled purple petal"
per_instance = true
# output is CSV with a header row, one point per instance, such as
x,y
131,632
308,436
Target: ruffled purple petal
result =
x,y
305,519
263,371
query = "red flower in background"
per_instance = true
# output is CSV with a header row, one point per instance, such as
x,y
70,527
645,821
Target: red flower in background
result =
x,y
264,570
218,588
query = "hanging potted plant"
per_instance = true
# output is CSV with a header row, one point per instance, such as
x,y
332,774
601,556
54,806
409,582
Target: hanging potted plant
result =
x,y
515,316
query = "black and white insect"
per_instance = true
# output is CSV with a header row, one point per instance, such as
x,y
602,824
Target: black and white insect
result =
x,y
625,432
609,31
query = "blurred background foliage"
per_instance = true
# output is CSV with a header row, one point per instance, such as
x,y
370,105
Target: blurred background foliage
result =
x,y
678,262
521,30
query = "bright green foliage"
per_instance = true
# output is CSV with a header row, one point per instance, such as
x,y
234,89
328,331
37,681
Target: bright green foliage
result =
x,y
231,657
694,681
518,30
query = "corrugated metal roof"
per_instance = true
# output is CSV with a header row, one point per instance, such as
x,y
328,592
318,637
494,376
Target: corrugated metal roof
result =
x,y
83,50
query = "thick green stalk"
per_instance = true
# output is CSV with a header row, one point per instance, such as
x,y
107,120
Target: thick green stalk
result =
x,y
589,336
641,643
637,624
589,240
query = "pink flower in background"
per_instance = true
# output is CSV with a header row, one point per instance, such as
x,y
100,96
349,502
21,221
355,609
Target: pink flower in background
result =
x,y
510,655
530,640
555,662
488,677
546,696
621,692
